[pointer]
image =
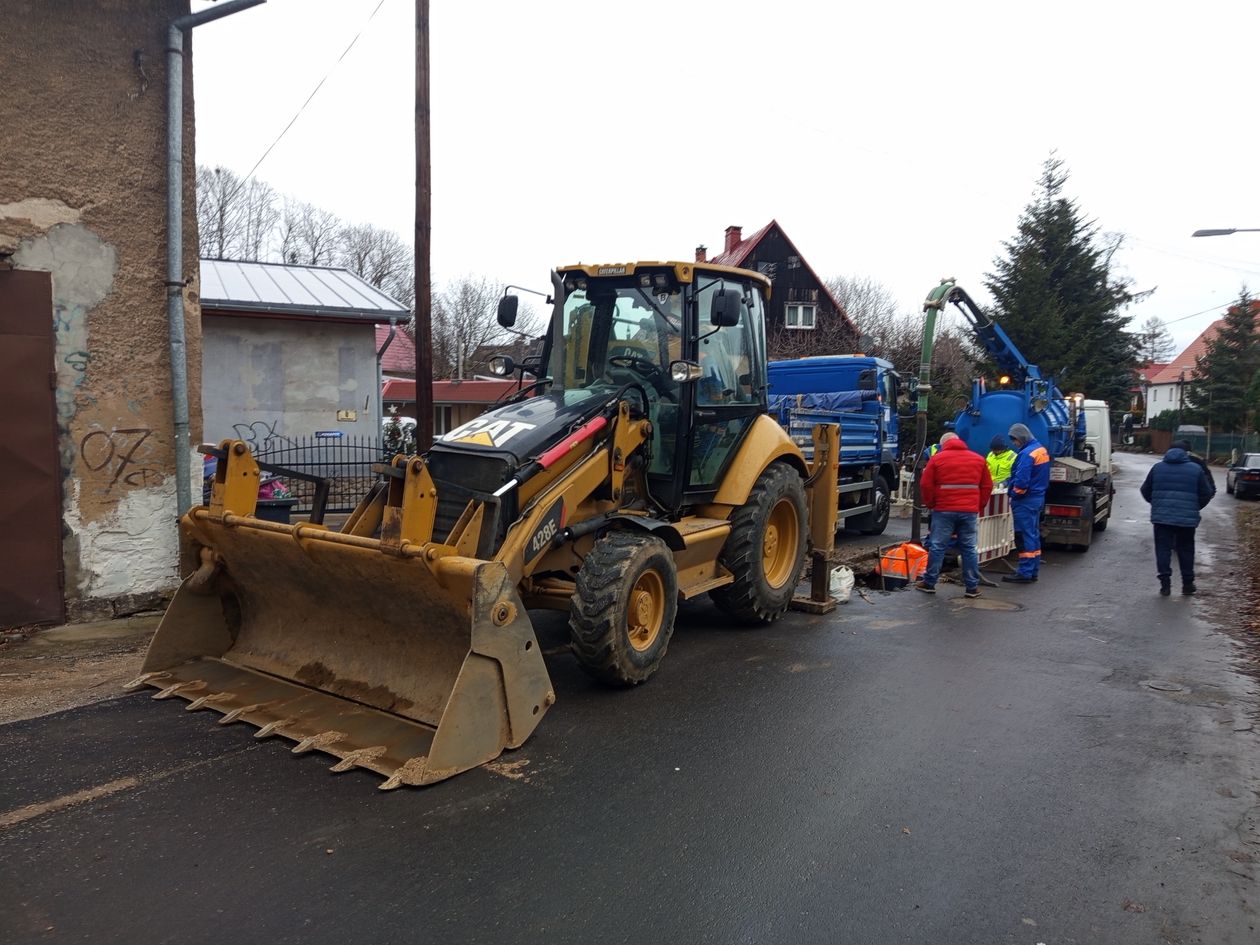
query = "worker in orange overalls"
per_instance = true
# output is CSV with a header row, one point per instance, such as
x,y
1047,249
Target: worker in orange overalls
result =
x,y
1030,477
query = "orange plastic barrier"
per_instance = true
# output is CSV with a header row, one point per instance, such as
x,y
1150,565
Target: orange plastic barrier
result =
x,y
901,564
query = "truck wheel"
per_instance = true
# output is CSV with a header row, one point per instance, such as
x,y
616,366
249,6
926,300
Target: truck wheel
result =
x,y
875,521
765,550
622,613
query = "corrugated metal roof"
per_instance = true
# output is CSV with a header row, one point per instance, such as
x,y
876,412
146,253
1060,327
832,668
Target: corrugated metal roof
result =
x,y
278,288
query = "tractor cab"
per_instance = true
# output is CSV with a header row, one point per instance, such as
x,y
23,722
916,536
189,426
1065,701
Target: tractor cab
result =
x,y
684,344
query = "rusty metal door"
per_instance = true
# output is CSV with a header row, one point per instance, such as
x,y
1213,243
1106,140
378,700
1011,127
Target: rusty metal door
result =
x,y
30,478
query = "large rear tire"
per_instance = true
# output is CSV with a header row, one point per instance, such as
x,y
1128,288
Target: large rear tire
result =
x,y
622,614
765,550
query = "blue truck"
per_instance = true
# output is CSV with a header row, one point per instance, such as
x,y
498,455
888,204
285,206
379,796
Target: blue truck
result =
x,y
860,394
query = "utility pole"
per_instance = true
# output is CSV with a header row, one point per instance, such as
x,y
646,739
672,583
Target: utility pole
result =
x,y
424,306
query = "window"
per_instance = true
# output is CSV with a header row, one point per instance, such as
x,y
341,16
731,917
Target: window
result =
x,y
442,420
800,315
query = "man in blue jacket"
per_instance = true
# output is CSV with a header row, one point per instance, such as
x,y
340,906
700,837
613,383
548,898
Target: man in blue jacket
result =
x,y
1030,477
1177,488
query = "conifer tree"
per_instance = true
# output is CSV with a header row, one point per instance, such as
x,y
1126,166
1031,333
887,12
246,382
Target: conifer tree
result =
x,y
1059,300
1224,380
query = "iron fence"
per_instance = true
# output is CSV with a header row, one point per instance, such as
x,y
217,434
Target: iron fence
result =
x,y
344,462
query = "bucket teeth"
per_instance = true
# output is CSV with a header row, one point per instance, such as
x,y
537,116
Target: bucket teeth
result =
x,y
321,741
410,772
143,679
270,728
230,717
352,758
209,699
192,684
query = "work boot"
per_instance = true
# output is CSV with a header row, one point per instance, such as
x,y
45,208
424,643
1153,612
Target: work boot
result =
x,y
1187,589
1165,587
972,592
1018,579
924,587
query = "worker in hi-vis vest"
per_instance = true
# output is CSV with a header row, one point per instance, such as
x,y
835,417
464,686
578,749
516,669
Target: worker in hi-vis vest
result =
x,y
1000,459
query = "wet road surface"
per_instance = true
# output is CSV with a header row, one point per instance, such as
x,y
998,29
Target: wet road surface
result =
x,y
1072,761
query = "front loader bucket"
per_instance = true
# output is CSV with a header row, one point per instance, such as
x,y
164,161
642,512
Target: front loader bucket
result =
x,y
412,662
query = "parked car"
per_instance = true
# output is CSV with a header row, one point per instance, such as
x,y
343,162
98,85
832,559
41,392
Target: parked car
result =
x,y
1243,479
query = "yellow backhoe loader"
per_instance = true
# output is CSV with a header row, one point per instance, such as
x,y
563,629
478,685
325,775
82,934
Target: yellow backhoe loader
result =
x,y
638,469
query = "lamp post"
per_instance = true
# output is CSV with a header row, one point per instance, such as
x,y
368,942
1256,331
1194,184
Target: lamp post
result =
x,y
1223,232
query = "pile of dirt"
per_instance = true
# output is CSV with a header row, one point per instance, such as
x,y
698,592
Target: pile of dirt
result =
x,y
63,667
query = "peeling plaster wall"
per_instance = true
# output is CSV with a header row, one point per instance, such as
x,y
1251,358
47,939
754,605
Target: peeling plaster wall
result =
x,y
83,197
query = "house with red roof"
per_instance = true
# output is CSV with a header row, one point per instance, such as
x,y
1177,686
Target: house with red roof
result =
x,y
804,317
396,350
1166,389
1139,393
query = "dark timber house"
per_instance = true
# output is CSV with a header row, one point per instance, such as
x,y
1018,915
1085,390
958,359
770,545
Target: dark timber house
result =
x,y
803,318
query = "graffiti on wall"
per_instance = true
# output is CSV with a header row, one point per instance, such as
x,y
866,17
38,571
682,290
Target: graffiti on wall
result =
x,y
119,454
260,434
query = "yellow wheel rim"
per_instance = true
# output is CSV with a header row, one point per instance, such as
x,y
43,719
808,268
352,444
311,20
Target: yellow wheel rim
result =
x,y
780,543
645,611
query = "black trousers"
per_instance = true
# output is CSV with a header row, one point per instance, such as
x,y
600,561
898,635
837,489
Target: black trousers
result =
x,y
1180,538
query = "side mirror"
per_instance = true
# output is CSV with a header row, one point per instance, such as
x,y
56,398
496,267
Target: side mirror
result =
x,y
724,309
502,364
681,372
866,380
507,310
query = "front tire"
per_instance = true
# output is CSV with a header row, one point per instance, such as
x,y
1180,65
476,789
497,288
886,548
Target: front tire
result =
x,y
765,550
622,613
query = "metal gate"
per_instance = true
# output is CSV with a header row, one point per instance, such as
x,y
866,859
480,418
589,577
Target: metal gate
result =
x,y
30,478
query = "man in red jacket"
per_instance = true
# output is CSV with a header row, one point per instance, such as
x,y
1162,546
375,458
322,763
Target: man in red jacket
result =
x,y
956,485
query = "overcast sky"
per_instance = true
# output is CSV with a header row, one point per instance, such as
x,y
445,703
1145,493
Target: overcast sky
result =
x,y
899,141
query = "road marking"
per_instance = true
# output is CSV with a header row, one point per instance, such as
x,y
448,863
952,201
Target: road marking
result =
x,y
20,814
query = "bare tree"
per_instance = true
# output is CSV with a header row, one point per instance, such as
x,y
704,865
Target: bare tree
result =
x,y
869,304
464,319
307,235
220,217
380,257
1155,342
261,215
235,218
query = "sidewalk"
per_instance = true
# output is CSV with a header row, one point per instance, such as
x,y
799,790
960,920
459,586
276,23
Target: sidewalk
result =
x,y
77,664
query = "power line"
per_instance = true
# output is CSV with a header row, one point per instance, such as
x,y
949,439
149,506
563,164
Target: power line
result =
x,y
314,91
1195,314
1199,259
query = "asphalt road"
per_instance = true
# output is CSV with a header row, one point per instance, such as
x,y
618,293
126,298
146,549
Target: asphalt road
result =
x,y
1067,762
